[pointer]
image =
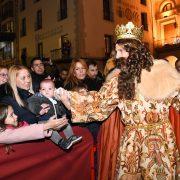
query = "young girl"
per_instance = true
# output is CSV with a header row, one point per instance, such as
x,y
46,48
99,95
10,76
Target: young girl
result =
x,y
13,132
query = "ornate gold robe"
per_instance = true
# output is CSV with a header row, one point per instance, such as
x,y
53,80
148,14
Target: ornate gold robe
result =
x,y
148,144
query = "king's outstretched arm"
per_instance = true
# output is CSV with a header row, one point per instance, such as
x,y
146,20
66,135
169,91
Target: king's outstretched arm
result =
x,y
95,106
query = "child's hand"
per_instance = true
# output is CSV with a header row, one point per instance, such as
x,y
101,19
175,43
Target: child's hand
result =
x,y
63,95
45,109
83,92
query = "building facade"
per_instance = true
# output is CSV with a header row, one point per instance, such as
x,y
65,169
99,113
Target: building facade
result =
x,y
75,28
65,29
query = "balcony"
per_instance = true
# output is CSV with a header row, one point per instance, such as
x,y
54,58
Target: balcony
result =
x,y
7,11
7,36
58,55
7,62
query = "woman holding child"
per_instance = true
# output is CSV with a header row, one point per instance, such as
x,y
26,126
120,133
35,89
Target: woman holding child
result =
x,y
21,89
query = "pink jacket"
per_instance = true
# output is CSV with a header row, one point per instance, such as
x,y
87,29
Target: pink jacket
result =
x,y
24,133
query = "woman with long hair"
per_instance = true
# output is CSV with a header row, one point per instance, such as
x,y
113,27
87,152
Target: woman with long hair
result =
x,y
21,83
148,147
76,75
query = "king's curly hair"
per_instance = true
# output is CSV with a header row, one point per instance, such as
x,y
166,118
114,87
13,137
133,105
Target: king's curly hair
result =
x,y
139,58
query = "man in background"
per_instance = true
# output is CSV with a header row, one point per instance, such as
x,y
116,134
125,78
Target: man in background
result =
x,y
37,72
94,78
62,77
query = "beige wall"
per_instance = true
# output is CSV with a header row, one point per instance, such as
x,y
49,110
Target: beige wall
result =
x,y
95,28
52,29
85,25
132,12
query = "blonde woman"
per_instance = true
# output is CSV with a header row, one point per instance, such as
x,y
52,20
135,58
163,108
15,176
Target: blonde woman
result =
x,y
21,84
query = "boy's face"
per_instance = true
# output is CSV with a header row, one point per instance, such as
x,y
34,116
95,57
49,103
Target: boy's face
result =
x,y
47,89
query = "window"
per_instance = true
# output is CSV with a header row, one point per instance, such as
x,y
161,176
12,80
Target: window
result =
x,y
38,23
107,13
40,49
7,10
143,2
120,12
62,13
9,26
144,21
22,5
108,39
23,27
167,7
24,56
35,1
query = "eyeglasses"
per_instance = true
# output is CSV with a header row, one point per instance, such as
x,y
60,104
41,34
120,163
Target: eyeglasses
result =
x,y
4,75
38,65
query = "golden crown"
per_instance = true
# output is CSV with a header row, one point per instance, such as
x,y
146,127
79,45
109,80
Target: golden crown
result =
x,y
129,31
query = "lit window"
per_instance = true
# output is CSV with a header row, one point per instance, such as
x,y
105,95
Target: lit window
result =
x,y
144,21
62,13
22,5
108,40
23,27
107,10
38,23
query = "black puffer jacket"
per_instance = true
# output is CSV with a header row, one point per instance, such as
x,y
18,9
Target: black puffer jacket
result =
x,y
56,107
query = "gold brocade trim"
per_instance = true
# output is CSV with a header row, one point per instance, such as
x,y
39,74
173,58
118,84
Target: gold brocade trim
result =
x,y
147,126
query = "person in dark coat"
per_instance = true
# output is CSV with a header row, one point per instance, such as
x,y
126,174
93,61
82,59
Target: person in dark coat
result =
x,y
59,81
38,72
94,79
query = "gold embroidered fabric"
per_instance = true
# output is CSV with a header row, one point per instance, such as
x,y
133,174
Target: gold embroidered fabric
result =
x,y
148,143
99,105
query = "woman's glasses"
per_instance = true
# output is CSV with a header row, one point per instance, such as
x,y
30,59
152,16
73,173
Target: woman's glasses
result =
x,y
3,75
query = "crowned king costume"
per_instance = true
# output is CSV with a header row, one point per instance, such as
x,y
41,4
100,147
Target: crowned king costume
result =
x,y
148,146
